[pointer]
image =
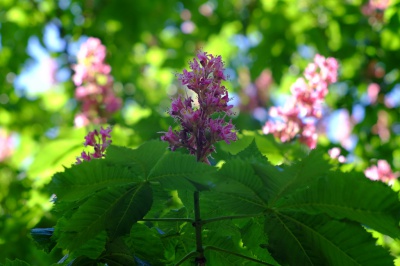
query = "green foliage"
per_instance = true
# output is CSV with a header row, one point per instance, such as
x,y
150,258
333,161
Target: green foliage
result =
x,y
252,212
146,244
319,240
15,263
373,205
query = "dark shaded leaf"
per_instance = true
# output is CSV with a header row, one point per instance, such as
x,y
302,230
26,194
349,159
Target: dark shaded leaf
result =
x,y
15,262
182,172
298,239
146,244
373,204
130,207
237,190
96,214
282,181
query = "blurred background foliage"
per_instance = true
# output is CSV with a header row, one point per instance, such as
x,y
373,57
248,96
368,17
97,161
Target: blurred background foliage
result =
x,y
265,44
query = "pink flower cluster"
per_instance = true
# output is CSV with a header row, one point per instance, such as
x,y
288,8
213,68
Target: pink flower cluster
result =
x,y
6,145
300,113
94,85
99,141
382,171
199,131
375,9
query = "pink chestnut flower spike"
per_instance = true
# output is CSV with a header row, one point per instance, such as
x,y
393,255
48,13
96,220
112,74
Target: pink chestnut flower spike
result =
x,y
94,85
199,129
298,117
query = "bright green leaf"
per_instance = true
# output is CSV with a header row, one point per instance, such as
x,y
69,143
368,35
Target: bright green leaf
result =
x,y
372,204
84,179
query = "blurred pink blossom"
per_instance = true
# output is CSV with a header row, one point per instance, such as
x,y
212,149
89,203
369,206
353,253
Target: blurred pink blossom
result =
x,y
334,153
379,4
305,104
94,85
382,172
375,9
372,92
6,145
381,127
254,96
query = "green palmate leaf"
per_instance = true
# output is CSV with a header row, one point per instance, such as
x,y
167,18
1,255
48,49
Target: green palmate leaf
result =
x,y
182,172
298,239
373,204
218,257
221,229
146,244
83,261
236,191
101,209
186,198
252,153
223,241
163,202
118,253
255,240
93,248
276,152
82,180
142,159
178,243
130,207
16,262
282,181
223,248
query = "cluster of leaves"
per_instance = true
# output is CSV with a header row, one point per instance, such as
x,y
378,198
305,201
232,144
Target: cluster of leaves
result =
x,y
135,207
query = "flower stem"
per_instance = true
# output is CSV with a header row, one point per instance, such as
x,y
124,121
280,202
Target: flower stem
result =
x,y
200,259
